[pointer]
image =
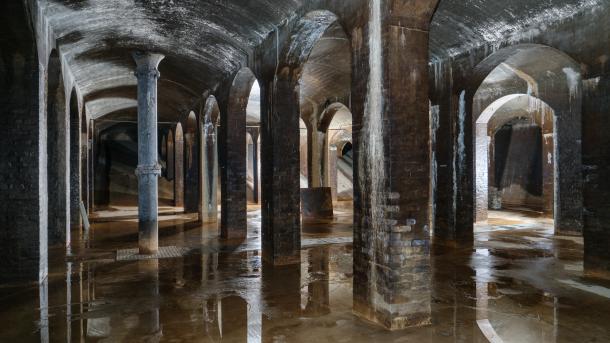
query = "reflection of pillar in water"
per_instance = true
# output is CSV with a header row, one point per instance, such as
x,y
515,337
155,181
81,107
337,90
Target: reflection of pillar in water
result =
x,y
281,285
255,316
234,312
150,271
318,300
43,293
180,241
212,321
81,302
69,302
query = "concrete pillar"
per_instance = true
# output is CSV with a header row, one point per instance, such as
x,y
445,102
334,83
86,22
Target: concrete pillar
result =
x,y
192,165
315,148
91,164
23,191
548,174
178,166
255,168
76,158
331,167
482,145
392,276
209,155
234,199
58,155
148,170
281,212
259,173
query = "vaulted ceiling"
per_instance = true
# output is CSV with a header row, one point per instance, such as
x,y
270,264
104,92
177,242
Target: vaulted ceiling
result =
x,y
205,41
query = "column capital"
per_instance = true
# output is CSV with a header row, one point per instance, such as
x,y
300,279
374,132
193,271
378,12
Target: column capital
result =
x,y
147,63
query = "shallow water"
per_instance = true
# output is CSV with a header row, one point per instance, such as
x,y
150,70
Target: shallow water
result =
x,y
518,283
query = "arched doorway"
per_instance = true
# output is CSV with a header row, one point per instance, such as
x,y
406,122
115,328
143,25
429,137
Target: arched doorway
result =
x,y
515,155
337,161
314,69
553,78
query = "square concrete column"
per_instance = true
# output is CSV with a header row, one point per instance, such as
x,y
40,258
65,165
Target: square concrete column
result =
x,y
281,213
148,170
392,275
234,199
331,170
209,177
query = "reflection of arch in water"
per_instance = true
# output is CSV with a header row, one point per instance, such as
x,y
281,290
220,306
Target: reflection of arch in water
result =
x,y
515,108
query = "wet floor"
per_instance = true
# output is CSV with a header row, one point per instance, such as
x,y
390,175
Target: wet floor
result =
x,y
518,283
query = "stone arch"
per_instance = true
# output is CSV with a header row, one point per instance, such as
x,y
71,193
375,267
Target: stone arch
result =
x,y
58,133
553,77
337,168
234,202
523,108
280,137
329,114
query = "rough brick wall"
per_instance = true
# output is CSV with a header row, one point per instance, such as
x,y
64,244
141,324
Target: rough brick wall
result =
x,y
596,168
391,222
75,161
191,166
281,234
22,210
233,173
57,147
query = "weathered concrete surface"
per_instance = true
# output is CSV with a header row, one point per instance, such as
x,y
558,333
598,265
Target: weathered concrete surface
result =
x,y
209,165
596,168
192,163
391,222
23,204
317,203
454,215
178,166
148,170
58,159
234,201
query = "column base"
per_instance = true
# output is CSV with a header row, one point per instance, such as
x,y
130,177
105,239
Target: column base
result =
x,y
148,238
233,234
208,218
389,320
